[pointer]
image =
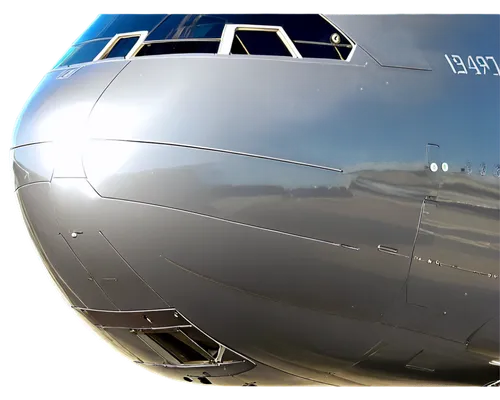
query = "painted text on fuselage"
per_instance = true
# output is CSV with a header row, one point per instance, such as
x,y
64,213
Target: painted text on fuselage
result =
x,y
476,65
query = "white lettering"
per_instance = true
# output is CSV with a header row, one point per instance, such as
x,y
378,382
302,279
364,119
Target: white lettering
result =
x,y
488,64
472,65
458,61
482,63
496,65
449,62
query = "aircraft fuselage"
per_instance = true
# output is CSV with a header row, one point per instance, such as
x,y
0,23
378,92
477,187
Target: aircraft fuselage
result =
x,y
325,221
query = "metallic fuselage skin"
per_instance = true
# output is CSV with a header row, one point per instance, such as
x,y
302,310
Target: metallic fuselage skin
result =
x,y
286,207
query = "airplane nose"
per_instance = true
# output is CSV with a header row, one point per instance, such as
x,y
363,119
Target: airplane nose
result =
x,y
60,207
65,217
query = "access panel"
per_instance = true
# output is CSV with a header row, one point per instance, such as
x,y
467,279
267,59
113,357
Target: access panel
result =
x,y
455,266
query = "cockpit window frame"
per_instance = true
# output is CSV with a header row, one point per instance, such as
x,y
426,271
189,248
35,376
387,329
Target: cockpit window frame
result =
x,y
141,35
152,42
228,35
230,30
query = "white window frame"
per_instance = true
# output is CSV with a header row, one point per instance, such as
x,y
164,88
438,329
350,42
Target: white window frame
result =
x,y
229,32
141,35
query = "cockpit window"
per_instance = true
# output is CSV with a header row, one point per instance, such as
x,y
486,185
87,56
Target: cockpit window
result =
x,y
179,47
83,53
323,50
122,47
299,36
312,34
178,26
259,43
108,25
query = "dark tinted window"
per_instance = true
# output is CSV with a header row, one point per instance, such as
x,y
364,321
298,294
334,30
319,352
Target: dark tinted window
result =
x,y
206,31
310,27
183,26
237,47
300,27
108,25
179,47
122,47
84,53
259,43
309,50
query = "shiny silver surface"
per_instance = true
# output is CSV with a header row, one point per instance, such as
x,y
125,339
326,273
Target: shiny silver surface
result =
x,y
326,222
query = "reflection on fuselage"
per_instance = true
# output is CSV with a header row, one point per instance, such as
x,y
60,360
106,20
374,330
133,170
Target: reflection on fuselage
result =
x,y
323,221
